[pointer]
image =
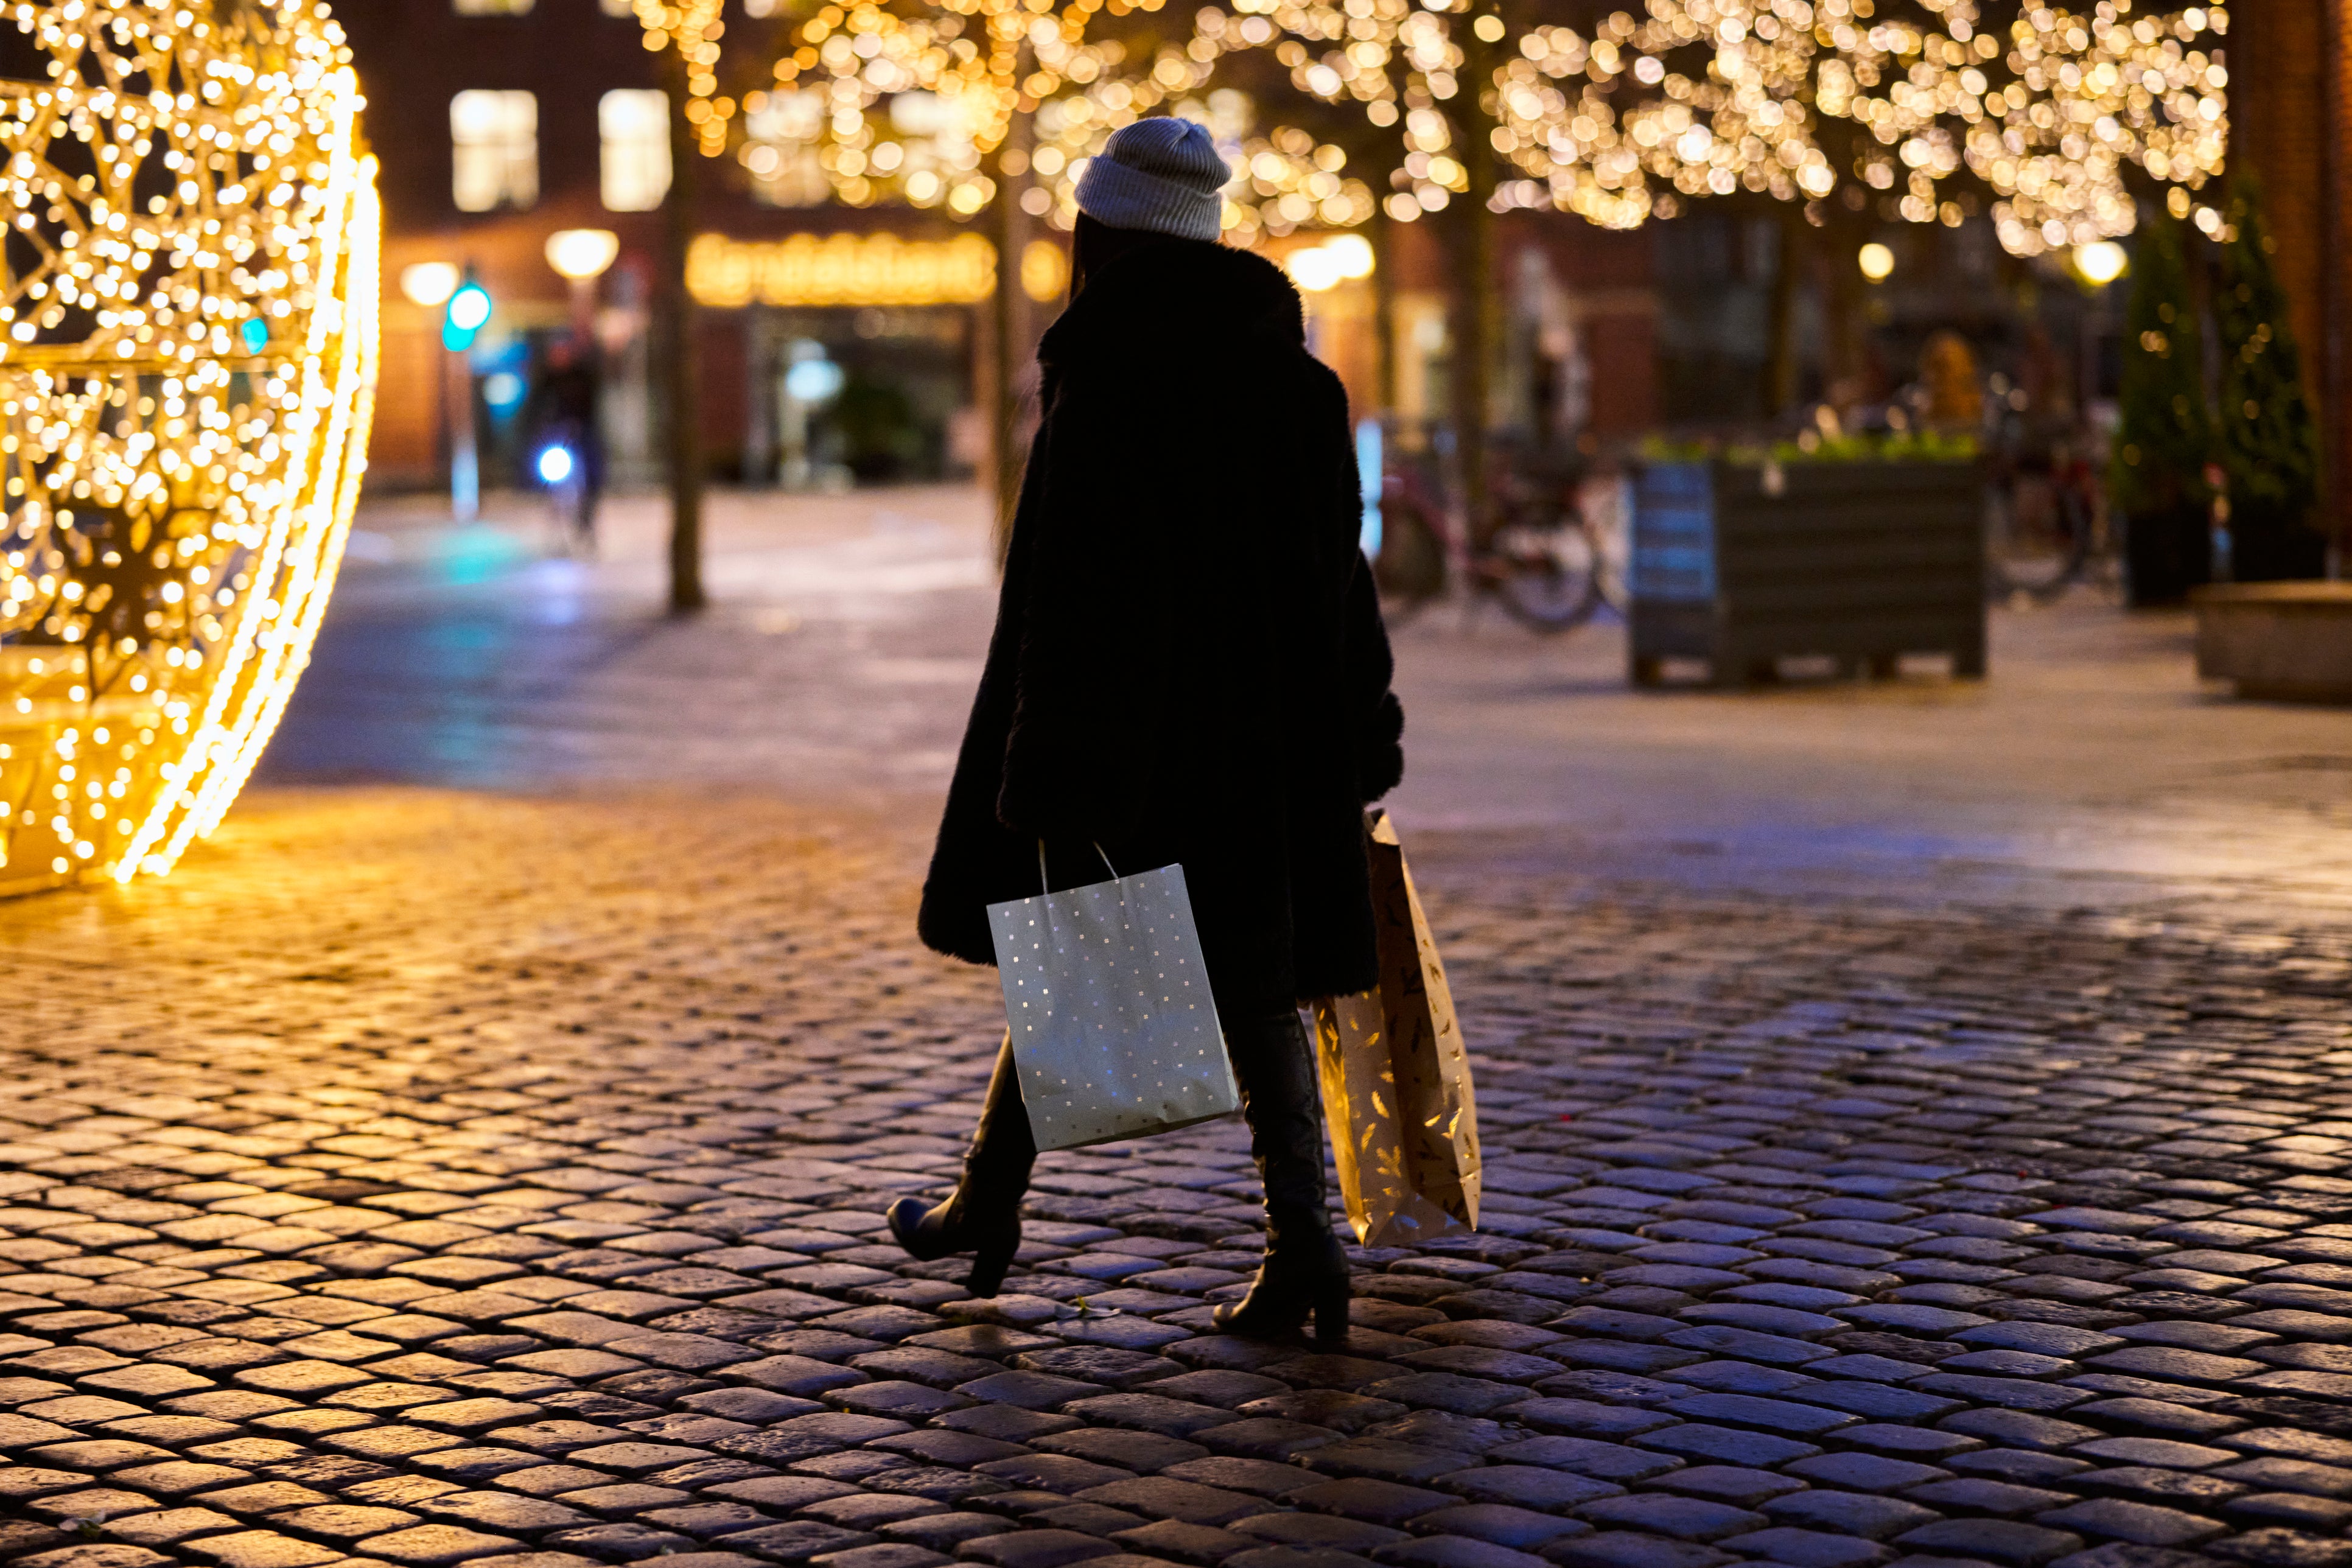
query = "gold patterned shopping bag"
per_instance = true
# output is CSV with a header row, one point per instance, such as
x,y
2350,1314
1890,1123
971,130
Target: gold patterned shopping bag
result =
x,y
1396,1079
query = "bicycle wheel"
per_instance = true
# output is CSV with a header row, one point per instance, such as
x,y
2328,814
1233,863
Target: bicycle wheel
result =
x,y
1409,569
1549,579
2037,540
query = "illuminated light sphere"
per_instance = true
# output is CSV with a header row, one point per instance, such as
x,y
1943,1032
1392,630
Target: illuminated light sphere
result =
x,y
580,254
1314,269
1351,254
187,369
2101,262
555,465
429,283
1876,261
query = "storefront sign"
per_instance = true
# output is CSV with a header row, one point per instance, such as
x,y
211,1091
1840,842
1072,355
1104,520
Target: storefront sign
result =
x,y
807,270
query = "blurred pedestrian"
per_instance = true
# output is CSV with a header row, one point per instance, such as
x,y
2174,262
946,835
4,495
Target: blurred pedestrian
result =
x,y
562,436
1188,668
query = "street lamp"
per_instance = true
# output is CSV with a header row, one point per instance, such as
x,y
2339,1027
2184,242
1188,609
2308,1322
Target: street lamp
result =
x,y
2101,262
580,257
429,283
581,254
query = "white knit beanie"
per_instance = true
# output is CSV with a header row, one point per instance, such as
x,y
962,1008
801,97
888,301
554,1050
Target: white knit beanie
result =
x,y
1162,175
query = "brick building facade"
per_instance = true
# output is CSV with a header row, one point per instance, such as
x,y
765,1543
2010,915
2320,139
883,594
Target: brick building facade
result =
x,y
1593,366
2291,110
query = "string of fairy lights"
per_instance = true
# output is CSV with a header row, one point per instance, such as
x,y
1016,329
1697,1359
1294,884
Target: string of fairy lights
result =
x,y
1647,111
187,341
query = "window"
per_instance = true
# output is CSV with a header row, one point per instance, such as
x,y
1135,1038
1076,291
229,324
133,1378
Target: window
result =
x,y
635,125
492,8
495,138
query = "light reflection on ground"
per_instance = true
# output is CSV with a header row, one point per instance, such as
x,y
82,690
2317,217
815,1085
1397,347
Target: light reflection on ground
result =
x,y
845,635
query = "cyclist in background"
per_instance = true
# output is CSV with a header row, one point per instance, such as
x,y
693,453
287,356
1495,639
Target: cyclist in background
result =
x,y
560,418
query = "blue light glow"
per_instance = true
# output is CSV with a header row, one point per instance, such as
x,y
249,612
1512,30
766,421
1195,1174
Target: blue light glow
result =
x,y
813,380
555,466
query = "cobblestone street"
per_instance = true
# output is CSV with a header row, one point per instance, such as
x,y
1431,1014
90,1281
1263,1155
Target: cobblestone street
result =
x,y
477,1152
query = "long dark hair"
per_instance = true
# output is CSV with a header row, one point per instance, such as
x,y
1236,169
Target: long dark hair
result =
x,y
1094,246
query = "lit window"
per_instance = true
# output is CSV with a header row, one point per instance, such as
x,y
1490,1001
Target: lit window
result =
x,y
492,8
495,136
618,8
635,124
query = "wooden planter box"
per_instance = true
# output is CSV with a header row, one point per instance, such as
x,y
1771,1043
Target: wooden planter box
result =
x,y
2286,641
1859,563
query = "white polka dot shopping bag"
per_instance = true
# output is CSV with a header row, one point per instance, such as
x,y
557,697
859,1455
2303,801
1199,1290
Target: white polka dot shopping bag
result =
x,y
1114,1032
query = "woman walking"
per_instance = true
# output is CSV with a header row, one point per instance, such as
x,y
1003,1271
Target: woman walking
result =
x,y
1188,668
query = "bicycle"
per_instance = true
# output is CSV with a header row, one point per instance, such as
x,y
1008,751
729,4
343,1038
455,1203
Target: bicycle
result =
x,y
562,472
2044,526
1545,564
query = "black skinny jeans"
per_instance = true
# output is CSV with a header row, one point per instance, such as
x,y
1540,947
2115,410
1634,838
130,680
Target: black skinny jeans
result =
x,y
1274,1063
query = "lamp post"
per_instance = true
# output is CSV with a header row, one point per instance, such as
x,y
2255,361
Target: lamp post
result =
x,y
432,285
2097,264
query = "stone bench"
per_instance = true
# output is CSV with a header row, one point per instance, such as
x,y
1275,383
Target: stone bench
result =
x,y
2287,641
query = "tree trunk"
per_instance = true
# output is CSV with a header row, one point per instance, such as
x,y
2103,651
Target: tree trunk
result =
x,y
1008,319
1478,306
1384,303
1781,366
679,368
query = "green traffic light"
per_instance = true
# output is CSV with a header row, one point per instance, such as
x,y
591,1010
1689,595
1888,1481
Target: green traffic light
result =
x,y
469,308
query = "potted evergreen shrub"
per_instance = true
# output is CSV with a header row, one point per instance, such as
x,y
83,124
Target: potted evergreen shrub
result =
x,y
2269,441
2156,476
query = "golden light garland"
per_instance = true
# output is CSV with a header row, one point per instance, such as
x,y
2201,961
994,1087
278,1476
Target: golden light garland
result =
x,y
693,29
185,386
1685,99
1693,98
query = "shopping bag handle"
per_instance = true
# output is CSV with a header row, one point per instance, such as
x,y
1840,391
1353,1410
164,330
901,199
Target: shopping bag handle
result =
x,y
1045,884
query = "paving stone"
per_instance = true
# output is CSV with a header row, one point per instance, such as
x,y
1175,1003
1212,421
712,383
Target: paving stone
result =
x,y
1979,1494
1171,1540
96,1554
1454,1552
1316,1532
1686,1519
1504,1525
1724,1444
1994,1540
1849,1513
1630,1549
2140,1523
1272,1557
433,1544
1809,1549
260,1549
1362,1498
942,1530
1033,1548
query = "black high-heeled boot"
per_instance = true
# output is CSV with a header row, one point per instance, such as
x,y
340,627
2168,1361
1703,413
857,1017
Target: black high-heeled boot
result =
x,y
1306,1271
982,1216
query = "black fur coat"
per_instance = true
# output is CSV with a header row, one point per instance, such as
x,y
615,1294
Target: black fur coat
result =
x,y
1189,665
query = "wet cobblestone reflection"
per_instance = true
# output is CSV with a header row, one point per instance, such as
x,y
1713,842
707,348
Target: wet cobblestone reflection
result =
x,y
421,1177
